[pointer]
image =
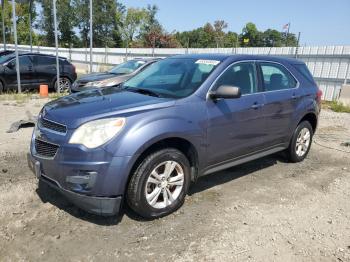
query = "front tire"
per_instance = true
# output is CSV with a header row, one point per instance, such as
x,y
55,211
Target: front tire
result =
x,y
300,143
160,183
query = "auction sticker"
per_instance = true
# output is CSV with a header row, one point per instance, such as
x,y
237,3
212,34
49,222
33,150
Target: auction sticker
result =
x,y
208,62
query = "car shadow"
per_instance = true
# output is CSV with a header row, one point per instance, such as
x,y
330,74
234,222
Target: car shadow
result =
x,y
221,177
47,194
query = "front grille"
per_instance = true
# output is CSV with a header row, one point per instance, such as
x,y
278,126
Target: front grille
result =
x,y
52,125
45,149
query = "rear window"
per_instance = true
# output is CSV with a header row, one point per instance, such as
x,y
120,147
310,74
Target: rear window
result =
x,y
43,60
302,69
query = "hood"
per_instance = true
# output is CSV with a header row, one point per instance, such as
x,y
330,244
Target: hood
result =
x,y
97,77
76,109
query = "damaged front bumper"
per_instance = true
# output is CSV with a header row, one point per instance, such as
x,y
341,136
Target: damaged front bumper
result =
x,y
104,206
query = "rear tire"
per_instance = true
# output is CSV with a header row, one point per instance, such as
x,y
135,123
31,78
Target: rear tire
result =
x,y
2,88
65,84
300,143
159,184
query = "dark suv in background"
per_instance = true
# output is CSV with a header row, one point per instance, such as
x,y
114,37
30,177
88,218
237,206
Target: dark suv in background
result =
x,y
182,117
35,69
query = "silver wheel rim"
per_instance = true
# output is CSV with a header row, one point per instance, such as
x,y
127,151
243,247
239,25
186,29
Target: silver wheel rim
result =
x,y
64,84
164,184
303,142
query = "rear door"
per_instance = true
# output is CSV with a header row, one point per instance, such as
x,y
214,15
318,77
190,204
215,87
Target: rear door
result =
x,y
281,99
236,126
45,69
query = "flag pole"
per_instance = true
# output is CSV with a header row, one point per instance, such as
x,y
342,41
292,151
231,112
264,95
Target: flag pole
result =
x,y
287,34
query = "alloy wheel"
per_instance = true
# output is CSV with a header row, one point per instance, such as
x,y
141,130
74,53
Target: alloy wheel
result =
x,y
64,84
303,142
164,184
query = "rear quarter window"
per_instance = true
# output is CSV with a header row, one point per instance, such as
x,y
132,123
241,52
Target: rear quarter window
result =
x,y
304,71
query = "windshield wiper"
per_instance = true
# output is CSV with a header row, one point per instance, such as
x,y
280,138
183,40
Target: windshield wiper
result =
x,y
143,91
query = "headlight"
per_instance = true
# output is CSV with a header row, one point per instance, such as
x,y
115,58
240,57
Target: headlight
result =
x,y
97,83
98,132
106,83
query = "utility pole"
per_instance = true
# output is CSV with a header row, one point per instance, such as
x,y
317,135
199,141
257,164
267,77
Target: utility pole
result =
x,y
16,48
91,36
3,23
56,44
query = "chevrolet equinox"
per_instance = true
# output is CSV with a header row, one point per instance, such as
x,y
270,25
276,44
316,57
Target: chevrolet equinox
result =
x,y
144,141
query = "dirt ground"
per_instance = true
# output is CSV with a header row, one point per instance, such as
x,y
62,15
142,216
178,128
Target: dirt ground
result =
x,y
265,210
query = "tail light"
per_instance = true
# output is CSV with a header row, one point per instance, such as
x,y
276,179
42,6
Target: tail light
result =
x,y
319,96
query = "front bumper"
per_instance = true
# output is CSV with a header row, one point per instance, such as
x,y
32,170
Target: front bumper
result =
x,y
104,206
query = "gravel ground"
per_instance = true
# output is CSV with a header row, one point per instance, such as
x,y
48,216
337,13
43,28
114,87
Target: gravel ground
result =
x,y
265,210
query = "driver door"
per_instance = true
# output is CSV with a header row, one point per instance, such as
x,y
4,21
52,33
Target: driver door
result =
x,y
236,126
27,74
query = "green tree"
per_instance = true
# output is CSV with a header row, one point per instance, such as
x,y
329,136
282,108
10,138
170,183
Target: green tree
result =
x,y
272,38
231,39
105,22
46,23
66,18
133,21
22,19
219,27
251,32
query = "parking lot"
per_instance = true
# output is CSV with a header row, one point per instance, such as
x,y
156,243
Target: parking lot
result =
x,y
265,210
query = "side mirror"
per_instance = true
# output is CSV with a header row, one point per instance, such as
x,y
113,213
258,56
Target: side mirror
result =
x,y
226,92
10,65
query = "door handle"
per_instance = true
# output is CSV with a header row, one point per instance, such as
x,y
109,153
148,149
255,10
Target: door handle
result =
x,y
294,96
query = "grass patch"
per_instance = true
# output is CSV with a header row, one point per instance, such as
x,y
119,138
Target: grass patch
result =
x,y
18,98
24,97
336,106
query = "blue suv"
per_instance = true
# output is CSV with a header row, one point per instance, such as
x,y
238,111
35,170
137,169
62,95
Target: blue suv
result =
x,y
144,141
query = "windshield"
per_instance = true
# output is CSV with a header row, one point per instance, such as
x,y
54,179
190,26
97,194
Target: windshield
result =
x,y
127,67
173,77
5,58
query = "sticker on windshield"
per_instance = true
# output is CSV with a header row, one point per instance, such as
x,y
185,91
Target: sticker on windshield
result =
x,y
207,62
141,62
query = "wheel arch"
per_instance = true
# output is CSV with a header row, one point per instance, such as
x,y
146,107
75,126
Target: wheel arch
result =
x,y
311,118
54,79
179,143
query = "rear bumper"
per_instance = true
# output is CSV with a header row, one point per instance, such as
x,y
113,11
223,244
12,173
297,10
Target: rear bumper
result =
x,y
103,206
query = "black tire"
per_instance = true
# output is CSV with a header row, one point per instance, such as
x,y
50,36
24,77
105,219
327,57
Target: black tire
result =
x,y
66,80
136,192
292,154
2,88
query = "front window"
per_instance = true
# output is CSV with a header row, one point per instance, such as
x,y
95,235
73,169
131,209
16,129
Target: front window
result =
x,y
5,58
242,75
127,67
173,77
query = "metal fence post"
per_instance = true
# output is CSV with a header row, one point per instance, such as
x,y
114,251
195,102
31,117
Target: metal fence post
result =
x,y
56,44
16,47
3,23
347,73
91,36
